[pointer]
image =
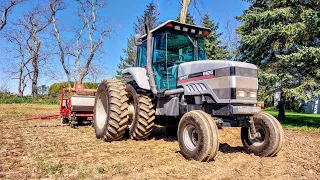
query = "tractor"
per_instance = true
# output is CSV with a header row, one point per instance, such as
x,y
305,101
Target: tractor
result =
x,y
173,80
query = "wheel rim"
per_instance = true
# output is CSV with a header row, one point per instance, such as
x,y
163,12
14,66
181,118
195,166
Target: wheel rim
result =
x,y
101,110
259,140
190,137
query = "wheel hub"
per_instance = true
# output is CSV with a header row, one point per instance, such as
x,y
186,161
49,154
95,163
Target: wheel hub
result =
x,y
131,111
194,136
101,114
259,137
190,137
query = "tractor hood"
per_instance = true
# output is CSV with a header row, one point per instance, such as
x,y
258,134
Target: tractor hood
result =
x,y
204,66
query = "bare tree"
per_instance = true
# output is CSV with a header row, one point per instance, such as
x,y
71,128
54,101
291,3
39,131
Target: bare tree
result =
x,y
61,48
18,67
4,88
5,10
230,38
27,44
36,22
88,41
184,8
23,71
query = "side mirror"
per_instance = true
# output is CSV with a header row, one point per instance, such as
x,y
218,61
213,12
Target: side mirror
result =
x,y
137,40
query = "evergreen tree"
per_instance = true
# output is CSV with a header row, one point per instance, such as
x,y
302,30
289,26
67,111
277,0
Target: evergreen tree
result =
x,y
128,60
282,37
189,19
150,17
213,47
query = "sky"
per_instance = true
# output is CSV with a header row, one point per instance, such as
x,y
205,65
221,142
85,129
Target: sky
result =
x,y
123,14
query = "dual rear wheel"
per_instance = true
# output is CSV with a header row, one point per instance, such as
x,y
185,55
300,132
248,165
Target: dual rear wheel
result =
x,y
110,110
119,106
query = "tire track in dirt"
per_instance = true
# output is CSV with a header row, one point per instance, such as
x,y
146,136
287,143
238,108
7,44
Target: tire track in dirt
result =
x,y
43,149
11,152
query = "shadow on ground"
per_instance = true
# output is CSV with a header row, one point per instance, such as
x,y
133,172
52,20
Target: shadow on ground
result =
x,y
160,133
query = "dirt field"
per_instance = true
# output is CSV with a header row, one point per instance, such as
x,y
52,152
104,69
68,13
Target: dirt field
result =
x,y
44,149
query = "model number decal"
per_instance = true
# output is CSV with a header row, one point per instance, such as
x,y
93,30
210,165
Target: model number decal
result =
x,y
206,73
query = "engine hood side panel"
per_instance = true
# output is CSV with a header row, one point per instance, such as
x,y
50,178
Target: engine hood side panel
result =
x,y
206,65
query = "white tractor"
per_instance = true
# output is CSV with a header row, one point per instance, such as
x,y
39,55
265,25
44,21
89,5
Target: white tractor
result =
x,y
172,78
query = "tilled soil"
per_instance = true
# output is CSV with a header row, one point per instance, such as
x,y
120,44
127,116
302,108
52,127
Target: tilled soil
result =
x,y
44,149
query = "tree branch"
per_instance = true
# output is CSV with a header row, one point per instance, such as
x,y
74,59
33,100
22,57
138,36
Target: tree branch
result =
x,y
5,14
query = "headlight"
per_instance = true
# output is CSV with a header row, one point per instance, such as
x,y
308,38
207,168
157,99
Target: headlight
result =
x,y
253,94
240,93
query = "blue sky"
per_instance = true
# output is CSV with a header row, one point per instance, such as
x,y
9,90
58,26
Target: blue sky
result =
x,y
123,13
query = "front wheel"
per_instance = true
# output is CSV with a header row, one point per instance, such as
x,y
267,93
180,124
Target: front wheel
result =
x,y
270,136
198,136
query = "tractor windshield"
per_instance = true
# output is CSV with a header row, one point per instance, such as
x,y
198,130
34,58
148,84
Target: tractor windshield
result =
x,y
171,49
178,48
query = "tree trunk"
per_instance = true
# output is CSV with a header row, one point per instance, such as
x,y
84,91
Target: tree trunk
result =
x,y
281,107
35,66
34,91
184,10
20,83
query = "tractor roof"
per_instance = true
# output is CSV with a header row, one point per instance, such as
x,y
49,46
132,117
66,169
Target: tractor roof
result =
x,y
178,26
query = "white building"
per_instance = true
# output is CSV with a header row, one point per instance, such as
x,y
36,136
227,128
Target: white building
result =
x,y
312,107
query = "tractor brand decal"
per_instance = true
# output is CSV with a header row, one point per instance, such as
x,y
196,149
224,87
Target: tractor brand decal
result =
x,y
197,76
183,77
206,73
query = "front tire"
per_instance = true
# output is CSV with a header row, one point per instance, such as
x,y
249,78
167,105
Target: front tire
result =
x,y
110,117
198,136
270,136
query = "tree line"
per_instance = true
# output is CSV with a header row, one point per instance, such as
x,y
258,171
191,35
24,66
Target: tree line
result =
x,y
281,37
41,34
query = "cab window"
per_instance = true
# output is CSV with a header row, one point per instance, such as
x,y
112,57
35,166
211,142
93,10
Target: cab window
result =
x,y
142,59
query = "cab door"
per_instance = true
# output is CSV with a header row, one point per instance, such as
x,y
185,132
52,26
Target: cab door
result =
x,y
165,71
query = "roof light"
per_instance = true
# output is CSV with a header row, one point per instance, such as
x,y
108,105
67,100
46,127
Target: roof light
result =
x,y
193,30
205,32
185,29
169,25
177,27
200,32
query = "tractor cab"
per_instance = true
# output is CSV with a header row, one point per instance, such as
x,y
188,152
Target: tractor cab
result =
x,y
173,43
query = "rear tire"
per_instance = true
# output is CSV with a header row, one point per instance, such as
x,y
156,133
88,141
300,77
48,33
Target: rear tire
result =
x,y
270,138
110,117
143,113
198,136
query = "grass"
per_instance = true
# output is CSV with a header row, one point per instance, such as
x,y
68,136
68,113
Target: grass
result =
x,y
40,99
101,170
299,121
54,169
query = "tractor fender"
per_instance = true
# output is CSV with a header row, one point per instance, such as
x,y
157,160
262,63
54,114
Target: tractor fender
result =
x,y
139,74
